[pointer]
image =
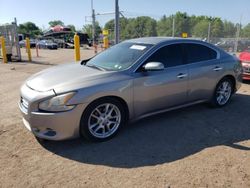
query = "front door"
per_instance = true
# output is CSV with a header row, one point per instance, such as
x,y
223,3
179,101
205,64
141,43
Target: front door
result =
x,y
157,90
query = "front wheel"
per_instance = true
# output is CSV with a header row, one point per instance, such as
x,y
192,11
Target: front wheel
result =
x,y
223,93
102,120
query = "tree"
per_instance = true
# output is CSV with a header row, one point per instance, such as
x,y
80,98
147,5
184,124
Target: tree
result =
x,y
201,29
110,25
72,27
196,26
164,26
217,28
29,29
246,31
56,22
141,27
182,24
229,29
88,29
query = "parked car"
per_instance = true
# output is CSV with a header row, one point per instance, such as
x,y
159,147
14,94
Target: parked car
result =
x,y
47,44
33,42
245,60
129,81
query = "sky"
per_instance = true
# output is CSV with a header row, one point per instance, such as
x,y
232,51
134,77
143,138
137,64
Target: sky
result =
x,y
77,12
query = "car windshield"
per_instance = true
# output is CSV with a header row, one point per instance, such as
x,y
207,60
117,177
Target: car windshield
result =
x,y
120,56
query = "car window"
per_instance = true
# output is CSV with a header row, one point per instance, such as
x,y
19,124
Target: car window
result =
x,y
198,52
170,55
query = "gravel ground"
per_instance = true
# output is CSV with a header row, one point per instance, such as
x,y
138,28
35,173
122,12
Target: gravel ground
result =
x,y
192,147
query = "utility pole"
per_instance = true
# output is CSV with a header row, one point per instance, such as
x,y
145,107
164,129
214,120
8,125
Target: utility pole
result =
x,y
209,31
237,36
93,22
17,41
173,26
117,21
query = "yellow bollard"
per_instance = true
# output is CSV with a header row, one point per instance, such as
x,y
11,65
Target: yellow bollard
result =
x,y
105,42
28,49
3,50
77,47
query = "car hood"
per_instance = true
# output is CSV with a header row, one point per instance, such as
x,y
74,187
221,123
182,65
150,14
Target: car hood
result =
x,y
66,77
245,56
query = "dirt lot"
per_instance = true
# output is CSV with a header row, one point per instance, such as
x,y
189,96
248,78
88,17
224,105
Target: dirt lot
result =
x,y
193,147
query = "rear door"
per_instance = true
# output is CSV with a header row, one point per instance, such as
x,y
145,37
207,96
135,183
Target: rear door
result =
x,y
204,70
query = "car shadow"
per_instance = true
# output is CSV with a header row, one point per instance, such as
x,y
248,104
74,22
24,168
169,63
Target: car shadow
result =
x,y
246,81
166,137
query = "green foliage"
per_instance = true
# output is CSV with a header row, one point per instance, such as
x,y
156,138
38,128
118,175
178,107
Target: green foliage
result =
x,y
201,29
133,27
88,29
29,29
182,22
56,22
217,28
195,26
246,31
72,27
141,27
229,29
110,25
164,26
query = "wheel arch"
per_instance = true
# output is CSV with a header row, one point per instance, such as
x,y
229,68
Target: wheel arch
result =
x,y
121,100
232,78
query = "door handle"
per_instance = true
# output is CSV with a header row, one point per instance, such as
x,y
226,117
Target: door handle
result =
x,y
181,75
217,68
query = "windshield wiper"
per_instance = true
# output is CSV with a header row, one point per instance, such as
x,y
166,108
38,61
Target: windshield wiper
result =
x,y
95,67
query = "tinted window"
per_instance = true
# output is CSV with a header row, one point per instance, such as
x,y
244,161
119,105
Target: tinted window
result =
x,y
170,56
198,52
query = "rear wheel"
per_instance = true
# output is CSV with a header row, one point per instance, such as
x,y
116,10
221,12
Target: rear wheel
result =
x,y
223,93
102,119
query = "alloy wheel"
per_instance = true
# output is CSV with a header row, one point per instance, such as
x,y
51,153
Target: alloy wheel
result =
x,y
223,92
104,120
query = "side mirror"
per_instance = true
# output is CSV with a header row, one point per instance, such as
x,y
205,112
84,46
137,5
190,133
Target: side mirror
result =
x,y
153,66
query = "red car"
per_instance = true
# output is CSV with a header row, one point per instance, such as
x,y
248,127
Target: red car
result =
x,y
245,60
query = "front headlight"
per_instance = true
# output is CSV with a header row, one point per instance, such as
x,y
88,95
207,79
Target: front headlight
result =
x,y
57,103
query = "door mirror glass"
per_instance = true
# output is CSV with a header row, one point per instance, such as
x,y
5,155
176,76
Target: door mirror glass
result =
x,y
153,66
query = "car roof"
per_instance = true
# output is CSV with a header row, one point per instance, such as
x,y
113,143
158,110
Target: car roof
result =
x,y
157,40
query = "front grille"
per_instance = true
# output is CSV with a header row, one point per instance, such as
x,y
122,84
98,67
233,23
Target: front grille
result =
x,y
246,69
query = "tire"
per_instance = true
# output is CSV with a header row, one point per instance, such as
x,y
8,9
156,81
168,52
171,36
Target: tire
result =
x,y
223,93
102,120
9,59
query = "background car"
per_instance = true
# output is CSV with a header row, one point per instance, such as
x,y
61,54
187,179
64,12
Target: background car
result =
x,y
129,81
245,61
33,43
47,44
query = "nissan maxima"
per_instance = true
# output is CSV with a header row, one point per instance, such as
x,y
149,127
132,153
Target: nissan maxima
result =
x,y
137,78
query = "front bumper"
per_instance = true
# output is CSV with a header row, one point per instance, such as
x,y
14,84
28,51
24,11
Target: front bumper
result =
x,y
246,72
50,126
54,126
245,76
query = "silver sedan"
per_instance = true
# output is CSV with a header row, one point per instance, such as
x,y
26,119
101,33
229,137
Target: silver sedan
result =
x,y
132,80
